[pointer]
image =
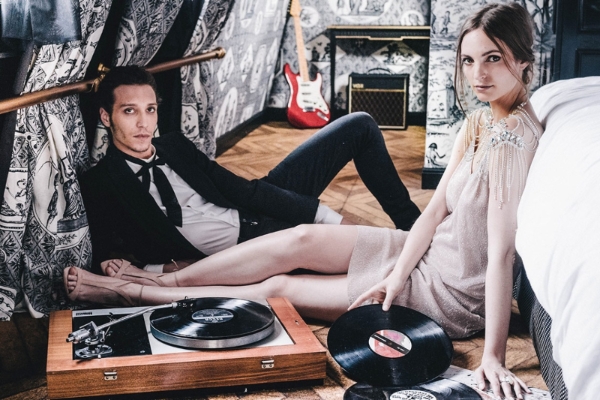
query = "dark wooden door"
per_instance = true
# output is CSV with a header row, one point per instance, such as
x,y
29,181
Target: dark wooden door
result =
x,y
577,52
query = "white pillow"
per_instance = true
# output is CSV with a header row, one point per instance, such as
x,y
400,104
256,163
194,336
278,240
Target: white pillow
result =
x,y
558,234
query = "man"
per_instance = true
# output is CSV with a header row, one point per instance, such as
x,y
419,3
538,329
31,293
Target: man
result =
x,y
156,200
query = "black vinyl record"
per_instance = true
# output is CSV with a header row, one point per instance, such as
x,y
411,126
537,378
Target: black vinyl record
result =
x,y
399,347
439,389
212,323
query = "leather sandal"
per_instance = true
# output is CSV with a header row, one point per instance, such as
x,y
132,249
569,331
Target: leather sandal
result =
x,y
109,293
129,272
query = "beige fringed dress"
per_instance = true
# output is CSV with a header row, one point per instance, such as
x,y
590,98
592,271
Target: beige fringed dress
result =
x,y
448,283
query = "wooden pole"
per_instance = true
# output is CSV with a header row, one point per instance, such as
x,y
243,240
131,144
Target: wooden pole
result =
x,y
30,99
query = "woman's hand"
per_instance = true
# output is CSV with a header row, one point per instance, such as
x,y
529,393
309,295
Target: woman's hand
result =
x,y
383,292
503,383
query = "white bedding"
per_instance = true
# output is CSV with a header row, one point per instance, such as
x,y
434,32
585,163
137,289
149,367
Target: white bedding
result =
x,y
558,233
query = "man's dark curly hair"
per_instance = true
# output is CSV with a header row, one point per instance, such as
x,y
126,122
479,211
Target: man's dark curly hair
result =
x,y
118,76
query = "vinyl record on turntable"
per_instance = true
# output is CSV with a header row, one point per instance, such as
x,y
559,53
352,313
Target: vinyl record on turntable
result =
x,y
212,323
439,389
399,347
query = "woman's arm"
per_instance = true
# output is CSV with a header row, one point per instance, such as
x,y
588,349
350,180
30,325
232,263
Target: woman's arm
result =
x,y
505,192
502,224
421,234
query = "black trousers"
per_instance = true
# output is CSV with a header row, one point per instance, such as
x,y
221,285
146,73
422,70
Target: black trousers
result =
x,y
312,166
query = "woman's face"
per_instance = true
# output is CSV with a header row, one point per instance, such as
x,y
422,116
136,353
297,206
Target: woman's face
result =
x,y
486,70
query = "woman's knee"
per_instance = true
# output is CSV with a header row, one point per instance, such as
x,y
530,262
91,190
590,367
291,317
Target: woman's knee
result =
x,y
303,237
306,248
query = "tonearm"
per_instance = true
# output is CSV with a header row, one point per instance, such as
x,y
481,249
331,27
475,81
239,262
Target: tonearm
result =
x,y
94,336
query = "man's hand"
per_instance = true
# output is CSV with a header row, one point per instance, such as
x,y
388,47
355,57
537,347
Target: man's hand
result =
x,y
346,222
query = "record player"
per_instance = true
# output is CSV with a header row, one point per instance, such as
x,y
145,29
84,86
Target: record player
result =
x,y
128,358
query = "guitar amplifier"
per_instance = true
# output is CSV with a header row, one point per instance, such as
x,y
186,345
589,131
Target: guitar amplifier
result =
x,y
384,96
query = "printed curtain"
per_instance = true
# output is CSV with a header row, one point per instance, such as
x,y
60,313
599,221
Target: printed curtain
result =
x,y
197,122
43,226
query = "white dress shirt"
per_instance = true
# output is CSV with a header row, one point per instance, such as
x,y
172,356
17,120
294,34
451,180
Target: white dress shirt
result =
x,y
206,226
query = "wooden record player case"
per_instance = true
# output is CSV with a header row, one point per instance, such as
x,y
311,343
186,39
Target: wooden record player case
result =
x,y
67,378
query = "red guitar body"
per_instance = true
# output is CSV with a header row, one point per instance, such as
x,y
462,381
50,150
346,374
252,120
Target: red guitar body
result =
x,y
307,107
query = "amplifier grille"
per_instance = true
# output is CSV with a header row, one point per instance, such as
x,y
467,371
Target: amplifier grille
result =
x,y
382,96
385,106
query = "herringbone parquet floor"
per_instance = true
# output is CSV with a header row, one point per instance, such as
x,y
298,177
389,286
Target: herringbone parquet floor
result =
x,y
266,146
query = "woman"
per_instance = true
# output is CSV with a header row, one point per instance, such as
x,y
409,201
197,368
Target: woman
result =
x,y
464,238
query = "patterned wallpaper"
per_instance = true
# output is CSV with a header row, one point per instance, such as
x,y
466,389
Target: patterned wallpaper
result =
x,y
444,117
360,56
251,37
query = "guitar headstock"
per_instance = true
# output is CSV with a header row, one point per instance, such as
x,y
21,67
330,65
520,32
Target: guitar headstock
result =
x,y
295,8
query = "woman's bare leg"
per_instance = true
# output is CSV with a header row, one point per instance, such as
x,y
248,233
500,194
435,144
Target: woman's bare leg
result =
x,y
315,296
320,248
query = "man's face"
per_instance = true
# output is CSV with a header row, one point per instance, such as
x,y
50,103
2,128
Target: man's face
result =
x,y
133,119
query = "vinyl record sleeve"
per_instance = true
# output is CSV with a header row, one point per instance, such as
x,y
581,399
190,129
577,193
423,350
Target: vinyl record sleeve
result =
x,y
399,347
439,389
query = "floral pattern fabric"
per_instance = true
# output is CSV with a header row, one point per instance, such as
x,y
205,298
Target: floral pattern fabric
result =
x,y
43,226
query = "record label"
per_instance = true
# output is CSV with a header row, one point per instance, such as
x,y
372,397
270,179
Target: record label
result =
x,y
412,395
390,343
212,316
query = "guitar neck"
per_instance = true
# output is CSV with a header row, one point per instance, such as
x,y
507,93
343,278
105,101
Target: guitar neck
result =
x,y
300,49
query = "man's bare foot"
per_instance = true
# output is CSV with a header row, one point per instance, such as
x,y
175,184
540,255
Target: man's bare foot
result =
x,y
71,280
123,269
111,267
83,286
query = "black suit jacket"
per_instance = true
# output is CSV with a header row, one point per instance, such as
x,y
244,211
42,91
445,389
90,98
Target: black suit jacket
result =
x,y
125,221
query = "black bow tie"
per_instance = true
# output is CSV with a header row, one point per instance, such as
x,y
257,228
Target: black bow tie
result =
x,y
165,190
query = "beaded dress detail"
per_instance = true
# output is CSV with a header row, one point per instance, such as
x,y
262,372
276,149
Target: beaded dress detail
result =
x,y
505,148
448,283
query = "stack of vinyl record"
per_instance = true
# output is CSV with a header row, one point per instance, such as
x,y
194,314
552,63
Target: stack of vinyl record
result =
x,y
395,354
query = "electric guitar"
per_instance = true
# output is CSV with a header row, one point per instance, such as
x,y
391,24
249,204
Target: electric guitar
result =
x,y
307,107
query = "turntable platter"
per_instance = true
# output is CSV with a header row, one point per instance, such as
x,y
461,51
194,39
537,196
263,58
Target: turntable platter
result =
x,y
213,323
